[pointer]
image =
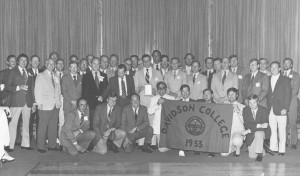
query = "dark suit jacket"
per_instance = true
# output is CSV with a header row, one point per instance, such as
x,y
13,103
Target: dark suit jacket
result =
x,y
5,95
209,78
203,101
71,91
100,120
21,97
30,72
259,86
128,120
72,124
90,90
113,86
280,98
262,116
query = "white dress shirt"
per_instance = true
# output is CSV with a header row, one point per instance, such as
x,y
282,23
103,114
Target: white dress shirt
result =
x,y
274,79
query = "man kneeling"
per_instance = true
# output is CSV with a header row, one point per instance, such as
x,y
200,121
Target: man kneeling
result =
x,y
135,122
107,120
256,127
75,135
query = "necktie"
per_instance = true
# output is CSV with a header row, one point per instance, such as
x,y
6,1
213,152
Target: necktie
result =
x,y
224,77
157,67
208,72
24,74
174,72
254,115
75,80
123,87
34,72
52,79
60,74
135,114
252,78
108,119
96,80
285,73
81,119
194,78
147,76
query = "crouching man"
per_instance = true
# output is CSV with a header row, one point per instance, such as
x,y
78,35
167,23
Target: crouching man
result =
x,y
75,136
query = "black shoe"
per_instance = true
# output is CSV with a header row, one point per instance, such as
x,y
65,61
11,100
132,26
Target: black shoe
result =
x,y
280,154
18,144
9,150
153,147
53,149
90,147
236,155
294,147
267,149
197,153
27,148
61,148
213,155
41,150
146,148
259,158
113,148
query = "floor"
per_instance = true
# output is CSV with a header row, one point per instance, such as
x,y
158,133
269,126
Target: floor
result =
x,y
138,163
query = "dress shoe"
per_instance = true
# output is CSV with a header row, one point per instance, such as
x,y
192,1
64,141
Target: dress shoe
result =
x,y
18,144
280,154
236,155
197,153
129,148
53,149
153,147
181,153
9,150
211,154
269,151
61,148
145,148
27,148
41,151
7,158
113,148
294,147
259,158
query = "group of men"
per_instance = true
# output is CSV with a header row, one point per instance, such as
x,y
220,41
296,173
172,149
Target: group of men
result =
x,y
98,104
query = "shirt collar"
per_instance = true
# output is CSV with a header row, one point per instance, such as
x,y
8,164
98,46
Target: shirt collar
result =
x,y
255,73
188,99
288,72
79,113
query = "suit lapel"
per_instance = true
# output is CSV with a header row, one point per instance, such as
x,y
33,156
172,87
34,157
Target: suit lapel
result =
x,y
279,79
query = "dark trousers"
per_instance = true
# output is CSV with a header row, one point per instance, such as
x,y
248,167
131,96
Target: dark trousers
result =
x,y
34,117
48,123
147,133
91,118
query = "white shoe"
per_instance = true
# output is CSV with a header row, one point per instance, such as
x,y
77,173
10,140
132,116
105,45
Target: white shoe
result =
x,y
181,153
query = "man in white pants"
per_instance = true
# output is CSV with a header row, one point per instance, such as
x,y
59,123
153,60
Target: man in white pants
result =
x,y
279,98
155,109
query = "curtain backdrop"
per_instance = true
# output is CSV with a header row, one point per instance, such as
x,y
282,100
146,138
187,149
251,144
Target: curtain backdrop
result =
x,y
250,29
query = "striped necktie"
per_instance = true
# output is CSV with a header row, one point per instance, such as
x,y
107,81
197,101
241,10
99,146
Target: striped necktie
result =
x,y
147,76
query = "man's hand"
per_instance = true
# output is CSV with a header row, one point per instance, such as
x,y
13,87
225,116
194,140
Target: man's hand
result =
x,y
161,101
33,109
174,94
23,87
76,133
40,106
79,148
245,132
141,88
2,86
132,130
100,98
283,112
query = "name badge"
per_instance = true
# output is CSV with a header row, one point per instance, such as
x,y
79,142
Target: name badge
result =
x,y
198,82
240,77
257,85
86,118
291,76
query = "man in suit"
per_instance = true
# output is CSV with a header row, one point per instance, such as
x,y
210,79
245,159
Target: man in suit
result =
x,y
222,81
146,76
113,63
128,64
165,65
71,90
155,109
94,84
236,138
217,64
20,85
5,95
75,136
156,55
135,123
122,85
256,83
89,58
104,60
256,127
209,62
188,60
107,123
175,78
240,71
34,117
279,98
263,66
48,99
196,81
292,112
83,65
134,63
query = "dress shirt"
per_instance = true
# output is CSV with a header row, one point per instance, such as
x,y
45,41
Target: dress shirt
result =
x,y
274,79
188,69
187,100
103,71
287,72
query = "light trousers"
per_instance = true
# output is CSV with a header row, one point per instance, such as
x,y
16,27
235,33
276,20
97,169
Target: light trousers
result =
x,y
15,113
101,146
257,145
277,123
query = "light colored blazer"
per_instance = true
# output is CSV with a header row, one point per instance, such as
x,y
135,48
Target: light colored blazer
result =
x,y
174,84
197,87
45,94
220,90
139,80
71,91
